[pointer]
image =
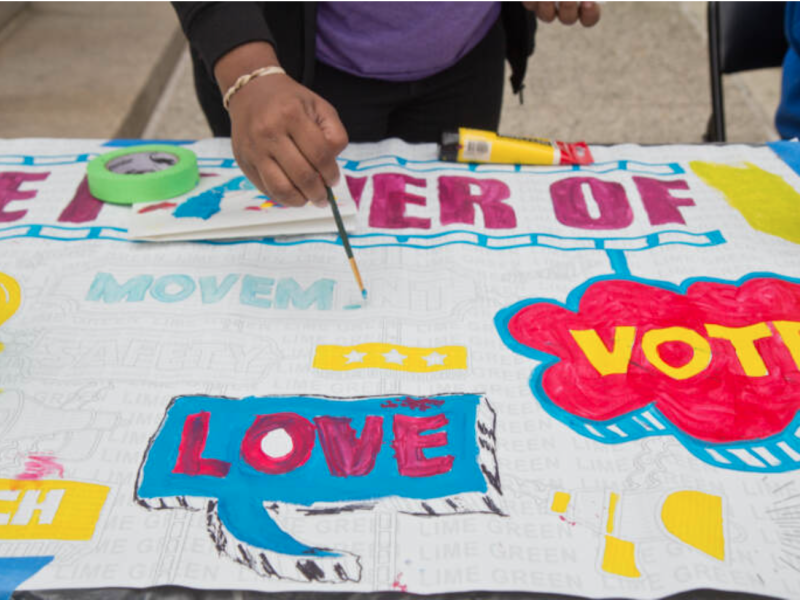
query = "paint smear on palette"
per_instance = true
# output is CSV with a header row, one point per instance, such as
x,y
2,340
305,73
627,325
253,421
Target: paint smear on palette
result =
x,y
266,205
155,207
765,200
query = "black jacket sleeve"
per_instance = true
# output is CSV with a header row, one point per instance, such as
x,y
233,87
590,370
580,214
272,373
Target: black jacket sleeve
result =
x,y
215,28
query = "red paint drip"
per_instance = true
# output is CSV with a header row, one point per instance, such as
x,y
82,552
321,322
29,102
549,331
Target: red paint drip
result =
x,y
155,207
41,465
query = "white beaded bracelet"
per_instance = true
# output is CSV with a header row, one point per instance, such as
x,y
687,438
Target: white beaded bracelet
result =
x,y
245,79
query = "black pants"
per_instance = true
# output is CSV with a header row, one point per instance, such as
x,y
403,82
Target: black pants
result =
x,y
468,94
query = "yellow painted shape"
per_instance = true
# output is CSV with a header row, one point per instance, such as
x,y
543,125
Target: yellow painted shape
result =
x,y
619,558
701,356
695,518
612,509
390,356
743,340
10,297
49,509
560,502
790,334
765,200
607,362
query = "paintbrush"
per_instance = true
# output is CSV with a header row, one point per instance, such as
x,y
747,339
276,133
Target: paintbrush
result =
x,y
345,241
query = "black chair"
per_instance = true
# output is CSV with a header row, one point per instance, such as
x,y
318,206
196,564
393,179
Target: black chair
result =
x,y
741,36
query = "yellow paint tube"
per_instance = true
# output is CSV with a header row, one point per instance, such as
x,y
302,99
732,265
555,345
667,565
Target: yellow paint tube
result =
x,y
475,145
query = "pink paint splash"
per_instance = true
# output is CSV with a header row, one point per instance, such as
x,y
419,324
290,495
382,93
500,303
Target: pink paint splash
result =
x,y
397,585
39,466
565,520
420,404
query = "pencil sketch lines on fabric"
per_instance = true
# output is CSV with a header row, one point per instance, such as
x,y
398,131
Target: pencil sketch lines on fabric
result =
x,y
247,462
784,515
721,358
390,356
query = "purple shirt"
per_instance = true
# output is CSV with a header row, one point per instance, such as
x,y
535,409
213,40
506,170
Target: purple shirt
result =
x,y
400,41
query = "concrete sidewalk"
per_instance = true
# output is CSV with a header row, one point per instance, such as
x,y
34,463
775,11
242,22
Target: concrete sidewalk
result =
x,y
116,69
84,69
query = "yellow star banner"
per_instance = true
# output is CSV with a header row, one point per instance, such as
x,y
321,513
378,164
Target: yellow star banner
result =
x,y
390,356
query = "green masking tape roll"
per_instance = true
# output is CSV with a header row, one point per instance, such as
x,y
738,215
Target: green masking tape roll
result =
x,y
143,174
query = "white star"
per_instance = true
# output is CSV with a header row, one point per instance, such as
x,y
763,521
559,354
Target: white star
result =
x,y
434,358
355,357
394,357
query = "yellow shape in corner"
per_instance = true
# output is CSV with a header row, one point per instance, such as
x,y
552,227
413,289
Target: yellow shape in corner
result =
x,y
390,356
619,559
560,502
10,296
49,509
765,200
695,518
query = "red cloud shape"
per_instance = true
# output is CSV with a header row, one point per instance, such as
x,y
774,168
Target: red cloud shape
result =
x,y
746,388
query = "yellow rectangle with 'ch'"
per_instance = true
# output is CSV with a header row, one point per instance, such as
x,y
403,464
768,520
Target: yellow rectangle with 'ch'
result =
x,y
49,509
390,356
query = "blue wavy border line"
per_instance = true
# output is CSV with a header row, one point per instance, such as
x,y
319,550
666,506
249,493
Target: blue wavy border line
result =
x,y
385,161
387,240
775,454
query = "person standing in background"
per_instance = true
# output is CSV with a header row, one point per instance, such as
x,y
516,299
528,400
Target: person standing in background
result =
x,y
787,119
300,80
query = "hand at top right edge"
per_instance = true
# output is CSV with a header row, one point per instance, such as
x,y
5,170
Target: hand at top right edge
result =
x,y
587,13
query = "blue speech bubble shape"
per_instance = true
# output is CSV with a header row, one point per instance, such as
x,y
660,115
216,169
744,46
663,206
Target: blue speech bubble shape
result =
x,y
433,455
